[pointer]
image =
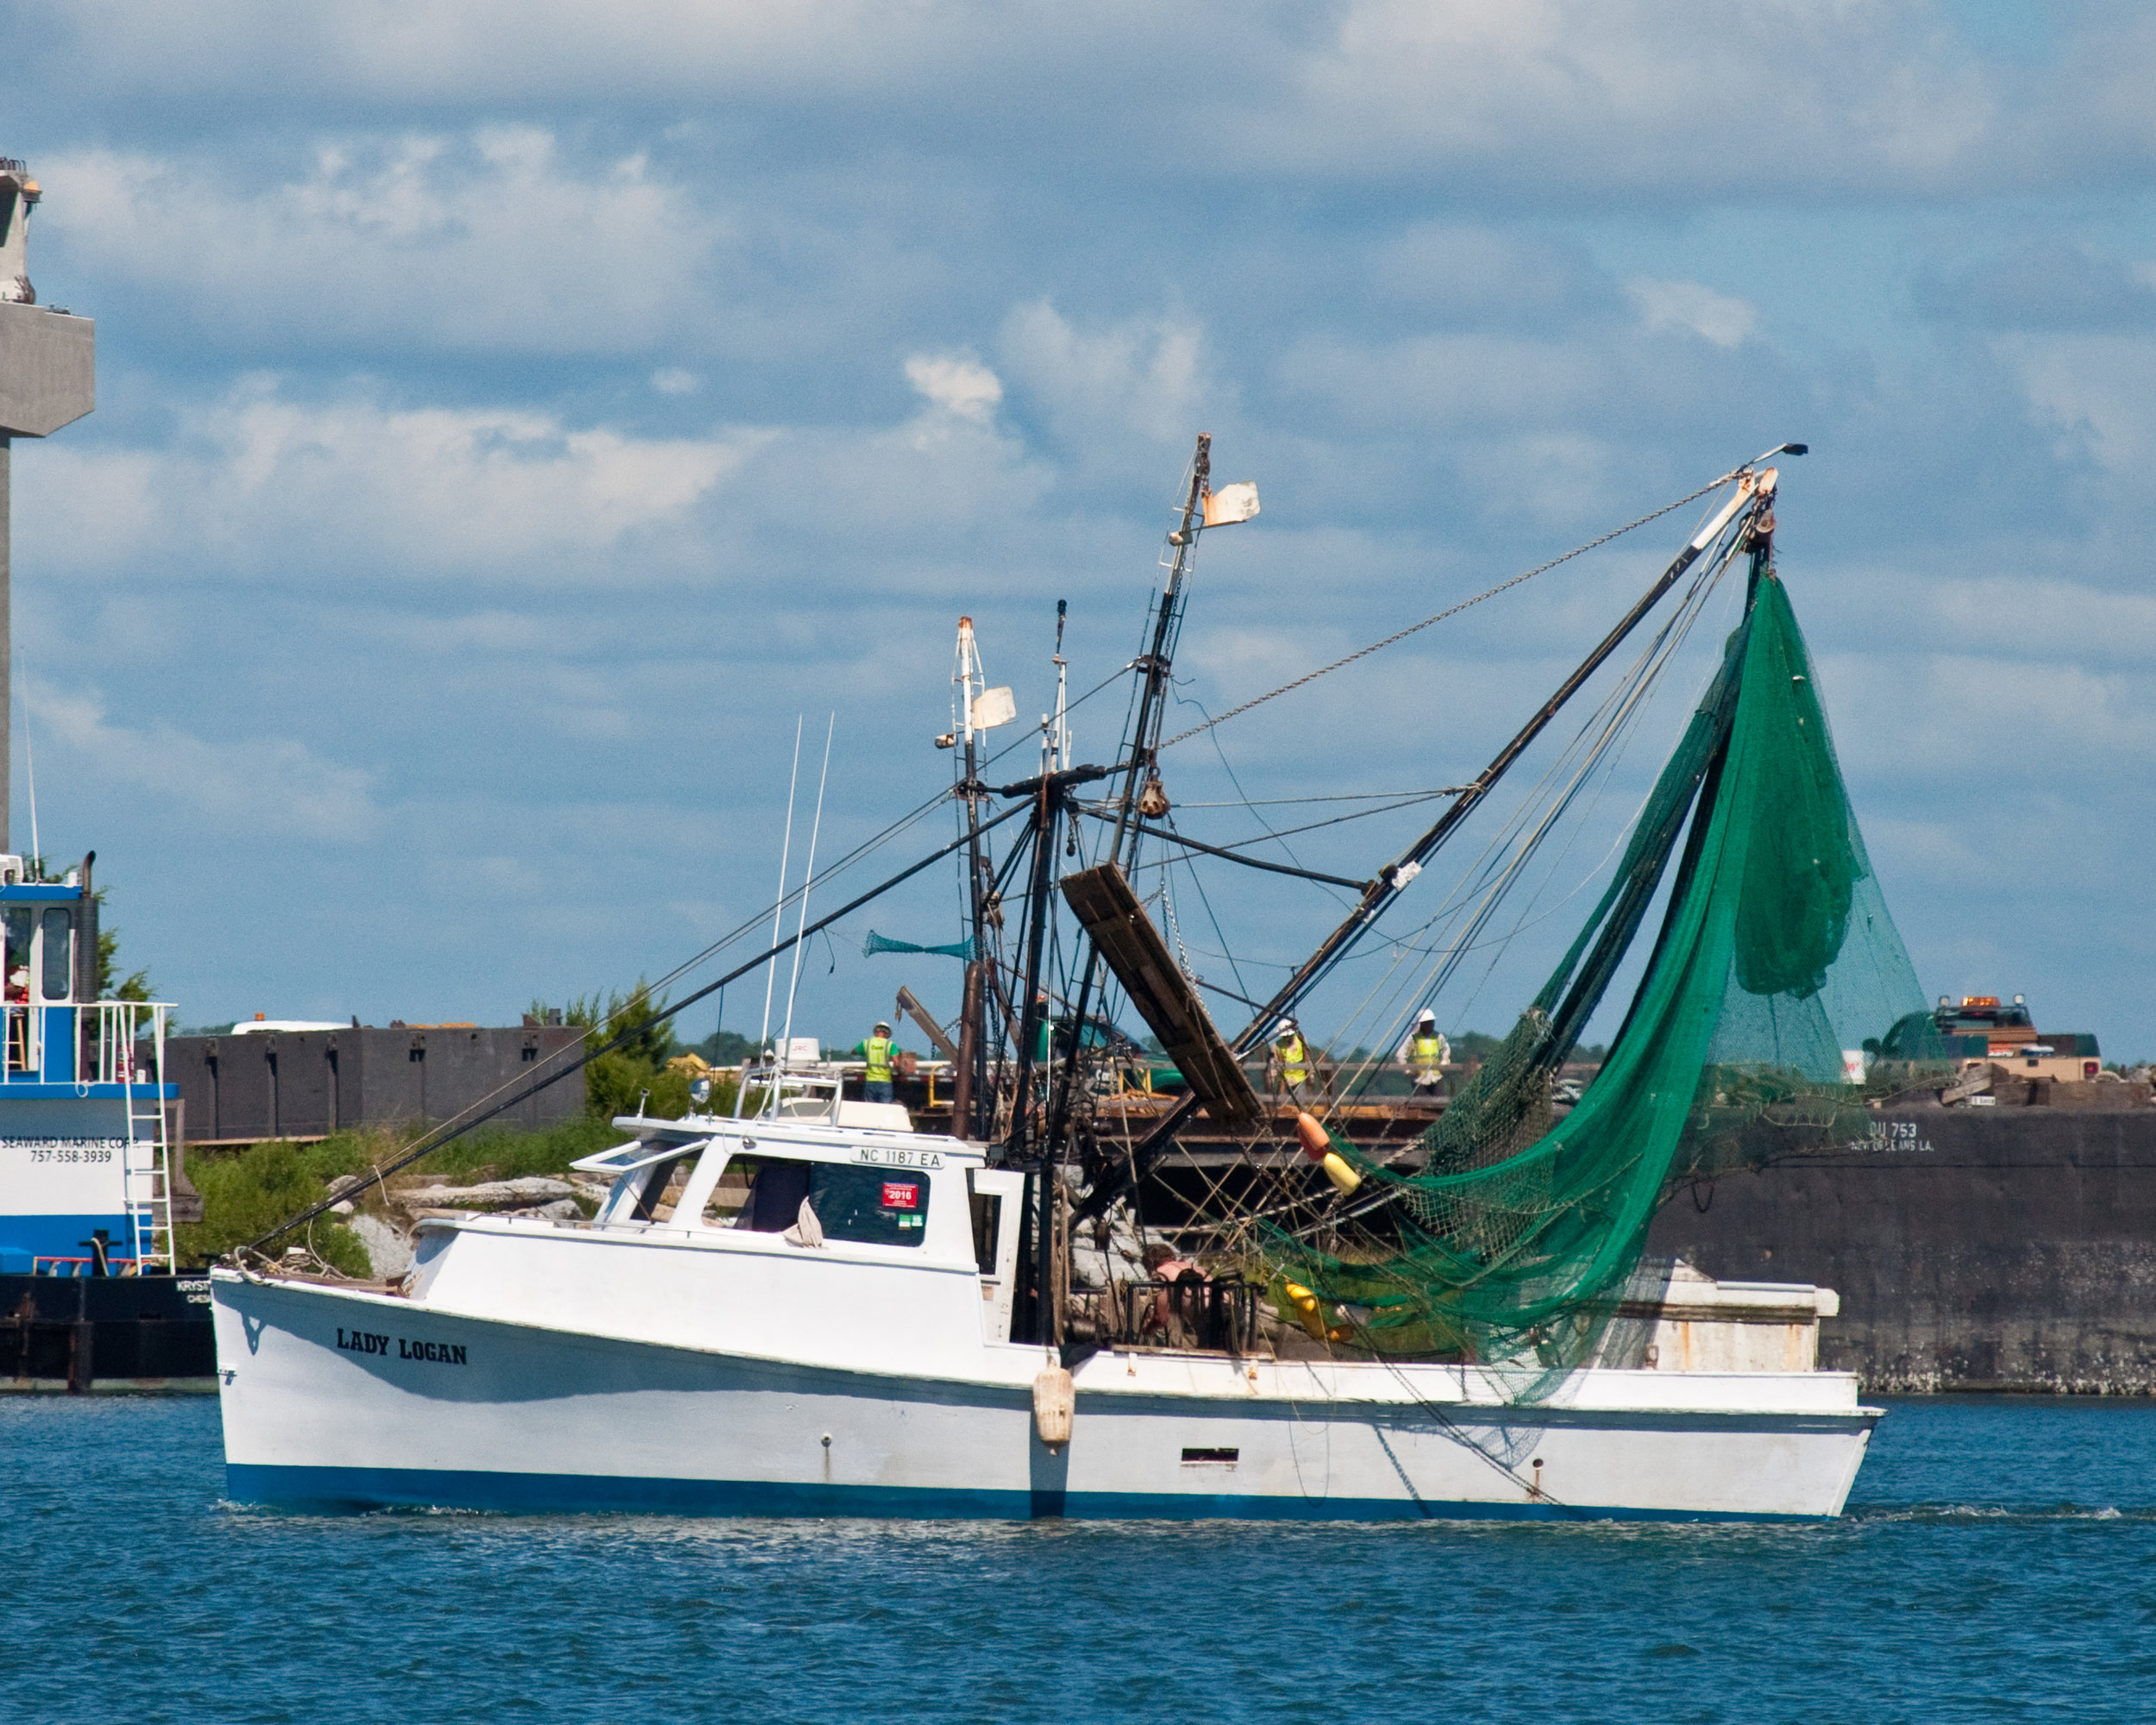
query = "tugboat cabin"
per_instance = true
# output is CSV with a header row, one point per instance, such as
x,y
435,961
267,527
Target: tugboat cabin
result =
x,y
84,1124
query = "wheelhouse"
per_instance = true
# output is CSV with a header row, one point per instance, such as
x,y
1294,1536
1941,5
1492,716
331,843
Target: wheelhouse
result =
x,y
802,1176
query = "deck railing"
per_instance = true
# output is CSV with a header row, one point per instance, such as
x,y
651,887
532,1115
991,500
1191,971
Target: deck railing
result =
x,y
101,1042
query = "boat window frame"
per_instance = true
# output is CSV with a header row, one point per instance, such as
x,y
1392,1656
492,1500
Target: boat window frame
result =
x,y
922,1179
603,1163
62,918
633,1199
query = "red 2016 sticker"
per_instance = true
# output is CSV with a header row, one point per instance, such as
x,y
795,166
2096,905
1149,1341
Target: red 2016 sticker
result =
x,y
901,1196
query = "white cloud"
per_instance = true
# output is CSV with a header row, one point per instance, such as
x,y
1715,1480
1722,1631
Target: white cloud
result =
x,y
1552,96
521,530
261,787
1723,319
492,240
486,50
1142,375
1549,99
2068,725
270,486
957,383
2026,616
1623,93
1496,384
2097,391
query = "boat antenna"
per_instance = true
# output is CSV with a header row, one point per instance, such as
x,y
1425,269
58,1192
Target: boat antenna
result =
x,y
29,762
971,1085
778,910
807,879
1062,692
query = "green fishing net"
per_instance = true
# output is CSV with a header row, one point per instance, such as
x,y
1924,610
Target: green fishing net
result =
x,y
1777,1000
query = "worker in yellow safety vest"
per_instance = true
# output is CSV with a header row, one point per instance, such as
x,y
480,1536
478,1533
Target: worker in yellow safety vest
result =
x,y
879,1051
1291,1060
1423,1055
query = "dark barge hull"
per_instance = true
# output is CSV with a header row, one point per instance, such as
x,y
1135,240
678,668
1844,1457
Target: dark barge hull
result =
x,y
107,1335
2004,1248
2001,1248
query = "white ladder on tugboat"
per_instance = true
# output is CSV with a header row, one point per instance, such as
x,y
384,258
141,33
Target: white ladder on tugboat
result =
x,y
148,1149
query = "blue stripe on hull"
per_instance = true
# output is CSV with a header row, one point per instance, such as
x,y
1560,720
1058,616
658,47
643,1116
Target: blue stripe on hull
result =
x,y
378,1488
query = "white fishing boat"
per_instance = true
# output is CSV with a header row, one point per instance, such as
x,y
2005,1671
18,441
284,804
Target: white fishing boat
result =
x,y
808,1306
719,1359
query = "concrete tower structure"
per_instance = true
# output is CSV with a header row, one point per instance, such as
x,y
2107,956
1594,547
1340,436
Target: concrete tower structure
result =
x,y
47,379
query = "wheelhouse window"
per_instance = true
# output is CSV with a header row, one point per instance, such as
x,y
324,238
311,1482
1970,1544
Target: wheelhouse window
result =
x,y
870,1206
21,924
58,969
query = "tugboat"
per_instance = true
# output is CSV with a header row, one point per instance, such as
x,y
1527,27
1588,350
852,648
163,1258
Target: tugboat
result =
x,y
88,1170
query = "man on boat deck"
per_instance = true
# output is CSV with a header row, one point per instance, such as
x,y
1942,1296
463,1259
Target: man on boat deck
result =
x,y
1423,1055
877,1051
1291,1060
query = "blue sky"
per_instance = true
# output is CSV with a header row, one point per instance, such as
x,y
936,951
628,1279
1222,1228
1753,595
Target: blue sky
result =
x,y
512,419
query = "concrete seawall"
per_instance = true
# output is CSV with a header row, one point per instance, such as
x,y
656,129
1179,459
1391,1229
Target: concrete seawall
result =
x,y
2000,1248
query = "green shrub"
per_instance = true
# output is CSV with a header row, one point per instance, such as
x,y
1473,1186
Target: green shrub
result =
x,y
511,1152
490,1152
246,1193
244,1196
613,1082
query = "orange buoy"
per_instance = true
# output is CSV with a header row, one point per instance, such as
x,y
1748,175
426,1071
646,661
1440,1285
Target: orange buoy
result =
x,y
1317,1145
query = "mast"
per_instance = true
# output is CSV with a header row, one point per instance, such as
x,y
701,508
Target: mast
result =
x,y
1144,737
1157,664
1048,793
1059,744
1753,490
1392,878
1046,809
970,1086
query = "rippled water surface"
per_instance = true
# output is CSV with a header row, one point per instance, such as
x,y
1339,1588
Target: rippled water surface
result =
x,y
1998,1561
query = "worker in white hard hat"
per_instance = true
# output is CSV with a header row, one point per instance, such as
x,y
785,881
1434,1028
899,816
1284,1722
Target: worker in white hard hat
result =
x,y
1423,1054
1290,1060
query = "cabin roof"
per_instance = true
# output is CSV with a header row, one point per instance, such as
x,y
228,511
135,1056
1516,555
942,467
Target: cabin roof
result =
x,y
811,1140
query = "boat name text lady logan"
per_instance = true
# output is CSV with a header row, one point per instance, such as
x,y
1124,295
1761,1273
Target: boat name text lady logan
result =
x,y
368,1341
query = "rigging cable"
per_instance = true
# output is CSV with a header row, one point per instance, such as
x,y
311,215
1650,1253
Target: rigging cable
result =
x,y
450,1130
1450,611
1517,841
1602,733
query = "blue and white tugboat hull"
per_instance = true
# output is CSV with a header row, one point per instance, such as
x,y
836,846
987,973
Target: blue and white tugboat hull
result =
x,y
89,1164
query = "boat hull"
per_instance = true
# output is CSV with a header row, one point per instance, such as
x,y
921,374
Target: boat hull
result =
x,y
337,1400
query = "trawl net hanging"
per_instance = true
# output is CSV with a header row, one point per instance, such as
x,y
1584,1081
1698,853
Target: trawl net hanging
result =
x,y
1775,955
